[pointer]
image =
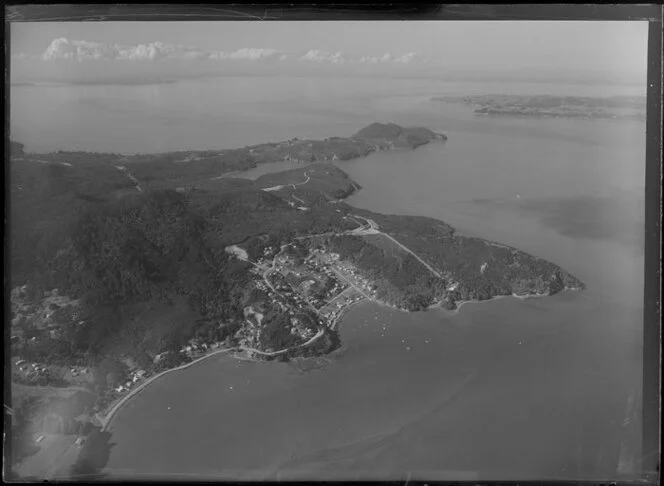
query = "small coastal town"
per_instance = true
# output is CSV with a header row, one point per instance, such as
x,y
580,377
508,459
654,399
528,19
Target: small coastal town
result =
x,y
250,251
309,284
317,283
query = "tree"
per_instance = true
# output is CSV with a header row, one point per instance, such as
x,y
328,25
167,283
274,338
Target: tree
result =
x,y
172,360
110,372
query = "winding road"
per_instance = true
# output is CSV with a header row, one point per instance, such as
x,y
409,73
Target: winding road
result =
x,y
320,332
302,183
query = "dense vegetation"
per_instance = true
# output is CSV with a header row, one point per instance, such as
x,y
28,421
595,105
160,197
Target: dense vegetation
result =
x,y
400,137
399,279
151,270
321,179
481,269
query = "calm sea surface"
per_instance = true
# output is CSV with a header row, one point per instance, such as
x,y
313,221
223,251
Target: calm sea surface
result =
x,y
509,389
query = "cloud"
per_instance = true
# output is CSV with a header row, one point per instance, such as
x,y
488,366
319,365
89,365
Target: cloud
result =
x,y
217,56
389,58
80,50
322,56
63,48
255,54
406,58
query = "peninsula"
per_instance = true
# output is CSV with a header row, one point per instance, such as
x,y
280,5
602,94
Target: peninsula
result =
x,y
124,267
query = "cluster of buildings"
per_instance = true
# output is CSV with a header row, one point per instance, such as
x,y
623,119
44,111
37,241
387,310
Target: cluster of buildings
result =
x,y
134,377
192,349
360,282
333,311
294,288
299,329
37,320
78,371
39,316
30,370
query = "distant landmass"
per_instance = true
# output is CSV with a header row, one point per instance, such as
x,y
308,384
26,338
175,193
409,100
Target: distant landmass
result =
x,y
614,107
398,137
201,168
129,266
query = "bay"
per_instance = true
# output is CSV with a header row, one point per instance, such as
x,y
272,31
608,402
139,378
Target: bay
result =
x,y
508,389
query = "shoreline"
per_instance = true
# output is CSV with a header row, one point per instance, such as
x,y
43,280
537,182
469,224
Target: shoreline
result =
x,y
339,319
494,298
107,420
235,353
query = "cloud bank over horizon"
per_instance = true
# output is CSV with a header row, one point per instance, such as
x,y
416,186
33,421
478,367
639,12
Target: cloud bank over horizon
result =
x,y
81,50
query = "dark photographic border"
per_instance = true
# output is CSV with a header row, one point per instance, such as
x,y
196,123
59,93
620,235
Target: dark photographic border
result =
x,y
23,12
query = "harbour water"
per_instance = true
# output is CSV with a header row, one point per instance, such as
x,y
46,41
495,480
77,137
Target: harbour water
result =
x,y
508,389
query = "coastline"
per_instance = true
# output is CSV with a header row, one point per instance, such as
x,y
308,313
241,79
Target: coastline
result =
x,y
496,297
339,320
106,421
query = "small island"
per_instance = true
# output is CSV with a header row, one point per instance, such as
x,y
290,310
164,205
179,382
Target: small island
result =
x,y
547,106
127,267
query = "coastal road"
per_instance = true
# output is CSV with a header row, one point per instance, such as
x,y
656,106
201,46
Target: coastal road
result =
x,y
69,453
282,351
107,420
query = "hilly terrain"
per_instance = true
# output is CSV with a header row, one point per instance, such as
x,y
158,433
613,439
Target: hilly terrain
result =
x,y
120,260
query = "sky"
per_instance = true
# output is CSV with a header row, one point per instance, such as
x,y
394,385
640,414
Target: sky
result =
x,y
613,49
